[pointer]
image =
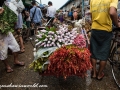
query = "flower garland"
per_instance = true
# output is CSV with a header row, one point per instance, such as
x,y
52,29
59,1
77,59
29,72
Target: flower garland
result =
x,y
52,38
69,60
80,41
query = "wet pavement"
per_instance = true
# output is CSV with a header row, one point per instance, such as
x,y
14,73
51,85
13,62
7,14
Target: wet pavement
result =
x,y
24,78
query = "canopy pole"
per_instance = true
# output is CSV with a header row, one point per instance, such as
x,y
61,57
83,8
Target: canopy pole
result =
x,y
82,8
40,1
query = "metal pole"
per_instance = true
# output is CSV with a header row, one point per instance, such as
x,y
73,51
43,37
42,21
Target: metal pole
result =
x,y
89,2
82,8
40,2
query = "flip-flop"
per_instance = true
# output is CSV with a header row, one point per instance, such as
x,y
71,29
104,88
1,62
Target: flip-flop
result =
x,y
9,70
93,77
21,51
20,64
101,77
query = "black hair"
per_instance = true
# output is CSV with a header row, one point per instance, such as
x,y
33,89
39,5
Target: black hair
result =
x,y
33,2
49,3
2,2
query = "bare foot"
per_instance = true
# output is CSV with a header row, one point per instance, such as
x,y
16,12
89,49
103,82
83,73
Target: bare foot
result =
x,y
9,70
18,63
100,77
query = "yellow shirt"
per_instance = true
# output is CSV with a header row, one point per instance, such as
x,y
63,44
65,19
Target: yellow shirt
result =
x,y
100,14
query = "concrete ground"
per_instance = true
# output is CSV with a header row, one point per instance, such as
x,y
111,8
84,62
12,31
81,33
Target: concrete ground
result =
x,y
24,76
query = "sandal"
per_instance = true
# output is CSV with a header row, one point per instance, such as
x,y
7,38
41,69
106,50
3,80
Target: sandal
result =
x,y
101,77
20,64
22,51
9,70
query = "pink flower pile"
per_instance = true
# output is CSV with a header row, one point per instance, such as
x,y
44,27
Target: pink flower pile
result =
x,y
80,41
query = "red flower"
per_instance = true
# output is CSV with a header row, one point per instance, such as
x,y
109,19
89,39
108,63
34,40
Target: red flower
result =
x,y
80,41
69,60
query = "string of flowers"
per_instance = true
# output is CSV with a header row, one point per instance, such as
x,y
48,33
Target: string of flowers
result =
x,y
69,60
80,41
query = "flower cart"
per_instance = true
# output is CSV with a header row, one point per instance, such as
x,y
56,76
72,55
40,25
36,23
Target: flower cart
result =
x,y
61,52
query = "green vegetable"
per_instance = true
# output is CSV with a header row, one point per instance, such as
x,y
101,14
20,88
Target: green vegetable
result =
x,y
7,20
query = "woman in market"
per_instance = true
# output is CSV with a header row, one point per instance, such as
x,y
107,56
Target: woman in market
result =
x,y
61,16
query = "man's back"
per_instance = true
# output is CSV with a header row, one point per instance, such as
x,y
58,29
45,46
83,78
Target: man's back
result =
x,y
37,16
51,11
100,14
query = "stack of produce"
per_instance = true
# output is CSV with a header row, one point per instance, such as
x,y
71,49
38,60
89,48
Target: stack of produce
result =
x,y
80,41
7,20
41,61
52,37
69,60
65,61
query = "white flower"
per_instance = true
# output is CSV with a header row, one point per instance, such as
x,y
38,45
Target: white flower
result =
x,y
65,39
58,45
38,43
36,40
53,40
54,45
48,45
59,40
57,32
50,38
48,41
45,45
38,32
71,41
43,31
50,32
42,43
66,43
58,37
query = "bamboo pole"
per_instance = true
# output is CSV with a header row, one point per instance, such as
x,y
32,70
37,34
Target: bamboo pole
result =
x,y
40,1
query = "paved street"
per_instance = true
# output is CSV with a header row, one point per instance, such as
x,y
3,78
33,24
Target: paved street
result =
x,y
25,76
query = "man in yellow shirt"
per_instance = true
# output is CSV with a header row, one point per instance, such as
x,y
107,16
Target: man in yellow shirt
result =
x,y
103,13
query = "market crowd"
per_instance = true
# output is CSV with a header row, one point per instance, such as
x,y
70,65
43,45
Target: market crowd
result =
x,y
25,18
33,18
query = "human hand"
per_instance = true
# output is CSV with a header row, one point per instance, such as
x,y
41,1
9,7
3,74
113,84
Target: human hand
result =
x,y
1,10
45,20
119,24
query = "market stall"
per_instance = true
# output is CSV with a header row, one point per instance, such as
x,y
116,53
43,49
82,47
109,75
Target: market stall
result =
x,y
61,52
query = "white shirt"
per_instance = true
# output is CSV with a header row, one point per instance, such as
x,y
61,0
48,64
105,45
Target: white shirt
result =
x,y
51,11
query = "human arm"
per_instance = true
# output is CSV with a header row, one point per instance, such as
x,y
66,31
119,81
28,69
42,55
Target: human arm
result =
x,y
113,12
1,10
47,12
41,15
31,13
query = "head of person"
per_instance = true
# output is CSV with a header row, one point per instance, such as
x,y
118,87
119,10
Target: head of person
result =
x,y
33,2
88,7
50,3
